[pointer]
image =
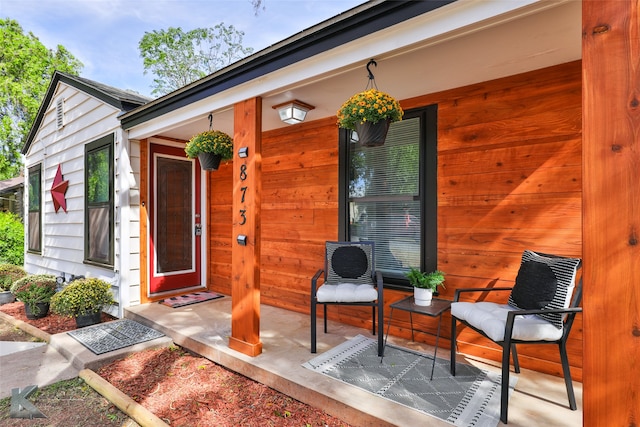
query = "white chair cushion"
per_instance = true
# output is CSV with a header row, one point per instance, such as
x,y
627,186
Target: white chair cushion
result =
x,y
491,318
346,292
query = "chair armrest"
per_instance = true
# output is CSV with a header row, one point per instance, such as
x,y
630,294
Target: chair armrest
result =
x,y
314,282
511,318
514,313
379,284
459,291
378,276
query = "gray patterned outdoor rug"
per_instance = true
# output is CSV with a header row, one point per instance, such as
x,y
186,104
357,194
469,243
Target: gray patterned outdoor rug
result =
x,y
471,398
110,336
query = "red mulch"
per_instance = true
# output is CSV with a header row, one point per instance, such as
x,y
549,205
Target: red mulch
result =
x,y
51,323
188,390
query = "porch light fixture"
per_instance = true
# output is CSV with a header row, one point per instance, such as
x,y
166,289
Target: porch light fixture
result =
x,y
293,112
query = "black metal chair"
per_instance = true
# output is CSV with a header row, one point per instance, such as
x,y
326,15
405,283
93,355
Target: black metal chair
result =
x,y
349,279
540,311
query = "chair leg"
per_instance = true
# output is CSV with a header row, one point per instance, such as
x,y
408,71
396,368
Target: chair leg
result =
x,y
325,317
566,370
380,330
504,386
452,362
313,326
373,309
516,364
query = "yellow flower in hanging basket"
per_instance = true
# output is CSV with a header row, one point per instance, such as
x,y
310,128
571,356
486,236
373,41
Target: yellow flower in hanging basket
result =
x,y
369,106
211,141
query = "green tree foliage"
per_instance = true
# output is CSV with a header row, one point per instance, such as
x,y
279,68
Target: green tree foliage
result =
x,y
177,58
12,241
26,67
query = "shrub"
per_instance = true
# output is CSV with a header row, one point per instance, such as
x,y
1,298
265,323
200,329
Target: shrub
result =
x,y
12,241
82,297
35,288
9,273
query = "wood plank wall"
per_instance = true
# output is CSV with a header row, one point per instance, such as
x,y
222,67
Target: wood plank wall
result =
x,y
611,55
509,179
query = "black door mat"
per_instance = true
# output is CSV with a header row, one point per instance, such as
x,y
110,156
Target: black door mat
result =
x,y
106,337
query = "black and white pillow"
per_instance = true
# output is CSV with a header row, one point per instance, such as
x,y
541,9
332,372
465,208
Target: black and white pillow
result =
x,y
349,262
544,282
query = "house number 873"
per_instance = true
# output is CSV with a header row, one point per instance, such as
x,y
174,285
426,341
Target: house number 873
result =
x,y
243,176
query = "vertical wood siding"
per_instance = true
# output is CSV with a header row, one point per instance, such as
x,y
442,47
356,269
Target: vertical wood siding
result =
x,y
611,55
509,179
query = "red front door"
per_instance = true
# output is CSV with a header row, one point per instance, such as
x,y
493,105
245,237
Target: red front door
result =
x,y
174,221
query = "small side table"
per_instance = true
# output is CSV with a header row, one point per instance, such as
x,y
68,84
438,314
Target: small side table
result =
x,y
437,307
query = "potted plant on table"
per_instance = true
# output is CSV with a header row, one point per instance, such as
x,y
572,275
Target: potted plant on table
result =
x,y
370,113
424,284
35,291
210,147
9,273
84,300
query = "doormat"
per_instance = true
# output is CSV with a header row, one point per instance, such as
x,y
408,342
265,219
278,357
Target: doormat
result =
x,y
189,299
471,398
106,337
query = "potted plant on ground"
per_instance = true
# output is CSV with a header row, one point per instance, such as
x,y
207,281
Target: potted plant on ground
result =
x,y
9,273
83,299
370,113
210,147
35,291
424,284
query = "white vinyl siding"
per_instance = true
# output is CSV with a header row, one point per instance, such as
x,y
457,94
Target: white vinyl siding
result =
x,y
85,119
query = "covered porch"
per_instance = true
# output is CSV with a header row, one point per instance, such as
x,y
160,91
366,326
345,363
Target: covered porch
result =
x,y
534,147
203,328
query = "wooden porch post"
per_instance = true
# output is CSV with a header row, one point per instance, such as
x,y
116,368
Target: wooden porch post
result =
x,y
245,258
611,212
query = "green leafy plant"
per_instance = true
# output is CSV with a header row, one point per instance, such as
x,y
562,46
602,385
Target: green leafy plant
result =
x,y
9,273
211,141
432,280
34,289
369,106
82,297
12,241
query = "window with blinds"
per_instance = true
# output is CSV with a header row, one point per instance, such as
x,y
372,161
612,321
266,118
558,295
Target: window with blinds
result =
x,y
34,231
390,196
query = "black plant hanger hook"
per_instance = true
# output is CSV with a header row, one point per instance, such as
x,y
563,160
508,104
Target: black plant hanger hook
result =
x,y
372,80
210,121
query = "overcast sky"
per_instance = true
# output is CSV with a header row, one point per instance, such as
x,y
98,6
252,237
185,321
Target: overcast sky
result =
x,y
104,34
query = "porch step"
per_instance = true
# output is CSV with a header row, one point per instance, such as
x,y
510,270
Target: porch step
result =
x,y
82,358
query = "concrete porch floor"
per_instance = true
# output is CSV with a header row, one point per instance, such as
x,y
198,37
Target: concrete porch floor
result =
x,y
203,328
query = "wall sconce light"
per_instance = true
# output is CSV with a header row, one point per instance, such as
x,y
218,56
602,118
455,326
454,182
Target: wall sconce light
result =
x,y
243,152
354,137
242,240
292,112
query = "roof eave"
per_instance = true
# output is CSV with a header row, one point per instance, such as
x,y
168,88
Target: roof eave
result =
x,y
327,35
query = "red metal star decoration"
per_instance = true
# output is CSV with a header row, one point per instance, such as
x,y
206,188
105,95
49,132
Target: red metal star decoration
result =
x,y
58,190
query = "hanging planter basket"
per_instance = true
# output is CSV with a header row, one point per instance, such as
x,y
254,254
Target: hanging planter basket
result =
x,y
210,147
372,134
370,113
209,161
